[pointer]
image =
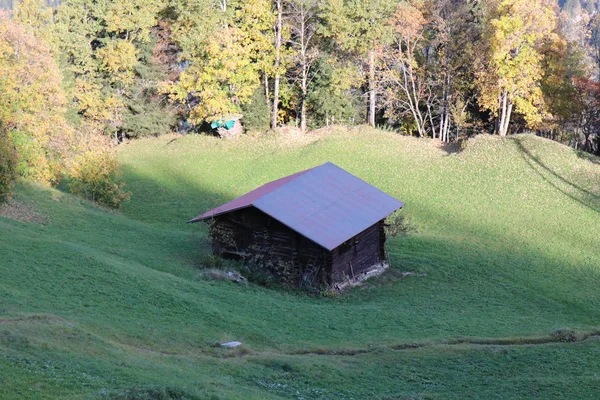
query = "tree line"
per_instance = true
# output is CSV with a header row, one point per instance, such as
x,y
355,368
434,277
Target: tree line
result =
x,y
76,75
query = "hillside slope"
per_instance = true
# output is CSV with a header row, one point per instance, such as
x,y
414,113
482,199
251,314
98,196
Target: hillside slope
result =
x,y
99,304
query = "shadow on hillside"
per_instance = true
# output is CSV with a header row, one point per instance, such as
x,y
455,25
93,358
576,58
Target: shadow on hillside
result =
x,y
584,197
588,157
171,203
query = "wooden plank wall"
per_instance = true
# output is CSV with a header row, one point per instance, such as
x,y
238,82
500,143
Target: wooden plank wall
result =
x,y
358,254
250,233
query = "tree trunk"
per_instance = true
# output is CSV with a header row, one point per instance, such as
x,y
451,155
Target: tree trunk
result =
x,y
446,99
372,88
447,127
433,133
303,114
304,79
266,78
277,64
502,116
507,119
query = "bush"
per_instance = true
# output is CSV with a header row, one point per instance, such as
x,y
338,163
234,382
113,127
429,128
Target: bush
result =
x,y
8,167
398,224
565,335
93,170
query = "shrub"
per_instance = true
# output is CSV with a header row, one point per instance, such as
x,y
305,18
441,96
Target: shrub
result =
x,y
8,167
565,335
94,173
398,224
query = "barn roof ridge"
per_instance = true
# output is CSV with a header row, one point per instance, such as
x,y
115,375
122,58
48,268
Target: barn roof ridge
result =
x,y
326,204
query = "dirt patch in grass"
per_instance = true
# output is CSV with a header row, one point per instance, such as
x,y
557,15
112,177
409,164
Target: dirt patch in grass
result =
x,y
21,212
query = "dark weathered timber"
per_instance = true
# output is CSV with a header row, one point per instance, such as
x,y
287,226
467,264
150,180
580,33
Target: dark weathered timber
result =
x,y
359,254
252,235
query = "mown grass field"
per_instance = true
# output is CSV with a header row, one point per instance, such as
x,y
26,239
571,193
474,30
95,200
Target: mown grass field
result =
x,y
102,304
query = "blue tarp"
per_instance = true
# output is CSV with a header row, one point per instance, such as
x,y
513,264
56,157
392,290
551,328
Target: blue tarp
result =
x,y
220,123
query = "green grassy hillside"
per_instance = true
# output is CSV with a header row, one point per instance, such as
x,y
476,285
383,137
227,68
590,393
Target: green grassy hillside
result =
x,y
101,304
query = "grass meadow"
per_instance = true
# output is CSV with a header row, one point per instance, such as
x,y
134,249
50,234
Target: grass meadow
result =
x,y
504,302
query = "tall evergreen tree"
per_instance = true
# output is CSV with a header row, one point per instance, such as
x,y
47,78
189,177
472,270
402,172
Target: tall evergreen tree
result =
x,y
360,28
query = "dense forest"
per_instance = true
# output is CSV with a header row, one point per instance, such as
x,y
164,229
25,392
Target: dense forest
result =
x,y
78,77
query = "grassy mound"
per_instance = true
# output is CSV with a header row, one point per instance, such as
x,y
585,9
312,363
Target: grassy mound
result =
x,y
99,304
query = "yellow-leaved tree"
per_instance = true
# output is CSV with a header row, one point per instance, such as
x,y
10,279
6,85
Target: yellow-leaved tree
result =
x,y
33,101
510,68
222,69
32,116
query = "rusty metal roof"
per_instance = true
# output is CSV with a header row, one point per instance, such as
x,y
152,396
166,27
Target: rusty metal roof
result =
x,y
326,204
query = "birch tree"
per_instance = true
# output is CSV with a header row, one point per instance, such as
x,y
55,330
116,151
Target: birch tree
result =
x,y
404,79
510,66
303,23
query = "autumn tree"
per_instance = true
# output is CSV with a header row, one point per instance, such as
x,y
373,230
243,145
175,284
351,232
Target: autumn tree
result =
x,y
223,68
510,66
563,64
36,15
260,26
100,46
405,80
33,101
33,118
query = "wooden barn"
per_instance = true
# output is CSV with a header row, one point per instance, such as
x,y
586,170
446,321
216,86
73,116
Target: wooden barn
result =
x,y
322,227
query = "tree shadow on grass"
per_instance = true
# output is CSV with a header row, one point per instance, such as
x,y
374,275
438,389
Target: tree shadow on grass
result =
x,y
452,147
167,202
173,201
583,196
588,157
